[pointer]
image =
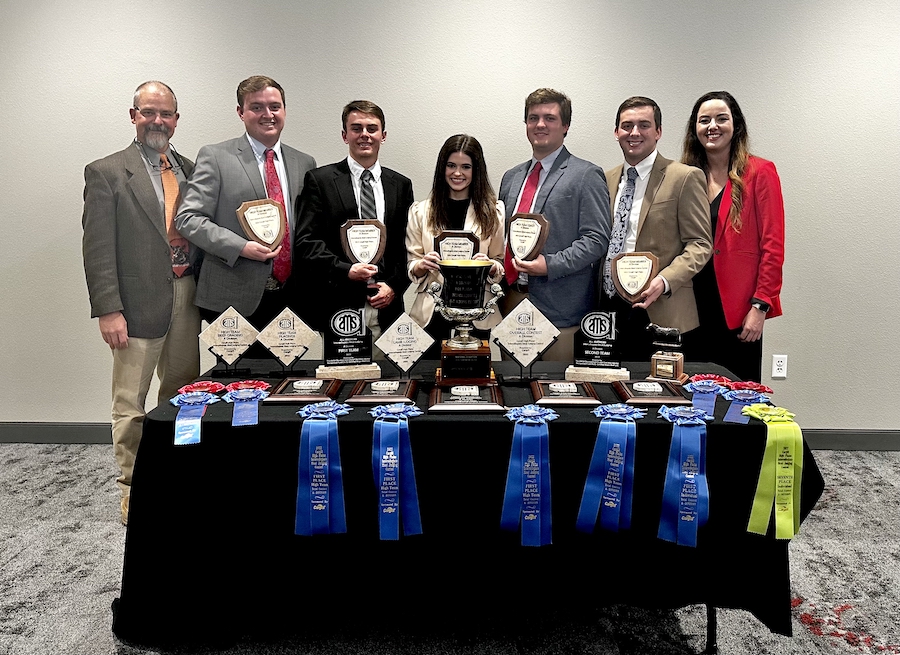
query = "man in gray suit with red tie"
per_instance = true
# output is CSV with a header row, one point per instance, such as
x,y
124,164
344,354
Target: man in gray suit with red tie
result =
x,y
237,271
572,195
355,187
139,270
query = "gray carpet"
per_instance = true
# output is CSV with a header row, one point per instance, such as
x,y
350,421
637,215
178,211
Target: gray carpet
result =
x,y
61,556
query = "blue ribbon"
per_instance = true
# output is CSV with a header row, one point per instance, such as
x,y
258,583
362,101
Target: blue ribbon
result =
x,y
741,398
527,495
685,504
704,394
609,487
395,474
192,407
320,482
246,405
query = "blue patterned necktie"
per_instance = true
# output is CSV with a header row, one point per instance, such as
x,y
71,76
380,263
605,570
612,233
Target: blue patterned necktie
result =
x,y
620,229
367,196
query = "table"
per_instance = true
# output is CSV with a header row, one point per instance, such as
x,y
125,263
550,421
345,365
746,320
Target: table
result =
x,y
211,550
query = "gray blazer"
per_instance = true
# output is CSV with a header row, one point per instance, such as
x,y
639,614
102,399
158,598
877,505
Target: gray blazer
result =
x,y
227,175
575,201
127,261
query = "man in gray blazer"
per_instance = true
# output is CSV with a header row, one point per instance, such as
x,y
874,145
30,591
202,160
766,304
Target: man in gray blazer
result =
x,y
139,270
236,271
572,195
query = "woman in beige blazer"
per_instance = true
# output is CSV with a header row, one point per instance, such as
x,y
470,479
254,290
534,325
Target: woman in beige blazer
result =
x,y
461,199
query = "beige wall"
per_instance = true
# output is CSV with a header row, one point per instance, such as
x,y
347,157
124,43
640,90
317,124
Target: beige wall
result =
x,y
817,81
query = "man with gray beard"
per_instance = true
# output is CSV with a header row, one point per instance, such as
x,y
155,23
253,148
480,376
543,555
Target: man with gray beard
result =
x,y
140,271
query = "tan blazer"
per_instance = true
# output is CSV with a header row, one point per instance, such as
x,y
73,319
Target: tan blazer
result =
x,y
420,240
675,226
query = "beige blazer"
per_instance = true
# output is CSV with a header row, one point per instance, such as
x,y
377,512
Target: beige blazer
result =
x,y
675,226
420,240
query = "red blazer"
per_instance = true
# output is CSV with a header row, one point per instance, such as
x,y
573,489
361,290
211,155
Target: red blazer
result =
x,y
748,263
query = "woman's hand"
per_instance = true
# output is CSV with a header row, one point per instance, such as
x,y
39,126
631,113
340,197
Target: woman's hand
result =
x,y
752,325
428,263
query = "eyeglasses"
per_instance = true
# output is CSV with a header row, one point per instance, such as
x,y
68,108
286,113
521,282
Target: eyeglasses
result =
x,y
152,113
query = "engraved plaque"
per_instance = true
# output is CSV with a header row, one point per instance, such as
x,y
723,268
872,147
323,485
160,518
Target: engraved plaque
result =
x,y
632,273
525,333
527,234
456,244
287,337
404,342
363,240
229,335
263,221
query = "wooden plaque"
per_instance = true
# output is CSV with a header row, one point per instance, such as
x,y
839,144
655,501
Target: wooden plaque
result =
x,y
632,272
263,221
456,244
364,240
526,235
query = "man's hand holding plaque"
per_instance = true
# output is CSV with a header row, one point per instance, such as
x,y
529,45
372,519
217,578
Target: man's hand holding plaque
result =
x,y
364,242
525,238
263,221
634,274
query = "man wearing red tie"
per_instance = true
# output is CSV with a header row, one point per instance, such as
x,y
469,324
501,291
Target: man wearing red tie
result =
x,y
139,270
572,195
237,271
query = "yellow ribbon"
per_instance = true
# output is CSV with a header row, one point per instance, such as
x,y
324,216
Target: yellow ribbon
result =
x,y
780,474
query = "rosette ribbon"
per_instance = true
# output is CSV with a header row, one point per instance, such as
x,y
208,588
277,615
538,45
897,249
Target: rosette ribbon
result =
x,y
719,379
749,386
527,495
203,385
705,392
609,487
246,405
395,476
248,384
685,504
320,483
780,474
191,408
740,398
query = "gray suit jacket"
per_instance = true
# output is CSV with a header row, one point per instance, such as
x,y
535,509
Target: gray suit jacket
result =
x,y
575,201
127,260
227,175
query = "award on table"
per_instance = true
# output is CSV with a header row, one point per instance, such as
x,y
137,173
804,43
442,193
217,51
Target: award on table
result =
x,y
456,245
304,390
404,342
667,363
525,333
382,392
632,273
263,221
364,242
596,352
650,392
348,348
466,398
526,235
287,337
465,359
228,337
563,392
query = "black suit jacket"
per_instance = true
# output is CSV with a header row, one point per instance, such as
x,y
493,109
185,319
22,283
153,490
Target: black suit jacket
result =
x,y
326,203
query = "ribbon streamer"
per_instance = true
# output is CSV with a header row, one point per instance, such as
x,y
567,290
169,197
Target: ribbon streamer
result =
x,y
685,505
705,393
191,408
320,483
527,497
395,475
778,486
741,398
609,487
246,405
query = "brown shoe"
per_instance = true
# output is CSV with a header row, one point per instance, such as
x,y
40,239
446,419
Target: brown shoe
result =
x,y
124,506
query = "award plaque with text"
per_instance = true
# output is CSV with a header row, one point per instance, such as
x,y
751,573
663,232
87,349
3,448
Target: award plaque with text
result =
x,y
347,340
650,392
287,337
456,244
525,333
382,392
526,235
564,392
263,221
466,398
363,240
632,273
404,342
596,350
304,390
229,335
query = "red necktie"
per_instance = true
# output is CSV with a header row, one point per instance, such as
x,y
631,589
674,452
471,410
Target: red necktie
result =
x,y
281,269
531,185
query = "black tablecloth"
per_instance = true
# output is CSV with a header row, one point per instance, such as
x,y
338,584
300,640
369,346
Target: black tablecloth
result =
x,y
211,548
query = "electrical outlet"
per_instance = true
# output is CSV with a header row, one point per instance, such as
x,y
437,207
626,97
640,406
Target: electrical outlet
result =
x,y
779,367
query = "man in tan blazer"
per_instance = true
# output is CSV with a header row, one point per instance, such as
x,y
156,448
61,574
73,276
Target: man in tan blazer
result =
x,y
140,270
659,206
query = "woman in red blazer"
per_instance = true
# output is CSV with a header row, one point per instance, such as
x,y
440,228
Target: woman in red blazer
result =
x,y
740,287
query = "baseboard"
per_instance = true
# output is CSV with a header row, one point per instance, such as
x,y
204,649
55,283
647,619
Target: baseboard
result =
x,y
99,433
55,433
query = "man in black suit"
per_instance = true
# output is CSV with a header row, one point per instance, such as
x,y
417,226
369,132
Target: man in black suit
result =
x,y
336,193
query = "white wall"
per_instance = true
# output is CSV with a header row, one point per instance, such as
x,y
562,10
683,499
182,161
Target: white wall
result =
x,y
817,81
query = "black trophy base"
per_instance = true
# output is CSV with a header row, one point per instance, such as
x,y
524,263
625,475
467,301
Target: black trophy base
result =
x,y
466,364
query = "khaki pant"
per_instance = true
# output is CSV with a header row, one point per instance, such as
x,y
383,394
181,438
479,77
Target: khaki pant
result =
x,y
176,359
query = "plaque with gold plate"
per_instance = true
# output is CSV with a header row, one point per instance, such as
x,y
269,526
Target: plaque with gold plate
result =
x,y
563,392
304,390
462,398
465,359
526,235
263,221
382,392
632,273
456,245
